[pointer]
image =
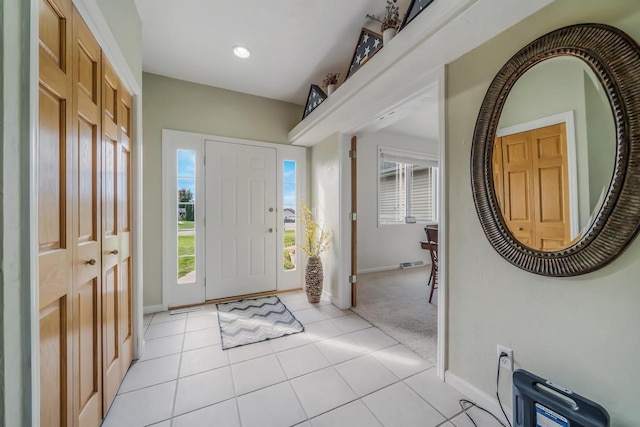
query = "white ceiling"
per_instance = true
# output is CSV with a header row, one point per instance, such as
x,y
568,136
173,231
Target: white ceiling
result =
x,y
422,122
417,118
294,42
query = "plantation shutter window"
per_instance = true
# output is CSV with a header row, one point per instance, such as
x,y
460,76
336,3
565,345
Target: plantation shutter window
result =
x,y
406,187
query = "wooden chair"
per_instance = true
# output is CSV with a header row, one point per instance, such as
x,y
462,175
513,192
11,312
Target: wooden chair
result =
x,y
432,246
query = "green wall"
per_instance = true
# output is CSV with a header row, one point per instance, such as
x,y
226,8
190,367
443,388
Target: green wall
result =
x,y
325,204
175,104
601,134
124,22
581,332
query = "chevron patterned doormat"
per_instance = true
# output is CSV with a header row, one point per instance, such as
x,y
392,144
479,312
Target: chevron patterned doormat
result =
x,y
253,320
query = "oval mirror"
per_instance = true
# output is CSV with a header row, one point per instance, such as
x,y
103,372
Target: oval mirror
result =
x,y
556,152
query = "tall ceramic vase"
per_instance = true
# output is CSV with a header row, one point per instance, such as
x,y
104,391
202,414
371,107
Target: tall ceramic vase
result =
x,y
313,279
387,35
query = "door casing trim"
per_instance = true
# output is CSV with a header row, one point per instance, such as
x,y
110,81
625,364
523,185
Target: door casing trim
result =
x,y
283,152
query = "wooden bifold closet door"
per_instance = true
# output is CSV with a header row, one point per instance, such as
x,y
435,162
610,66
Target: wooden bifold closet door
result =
x,y
84,216
86,226
116,231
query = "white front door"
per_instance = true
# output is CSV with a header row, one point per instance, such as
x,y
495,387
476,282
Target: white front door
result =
x,y
240,219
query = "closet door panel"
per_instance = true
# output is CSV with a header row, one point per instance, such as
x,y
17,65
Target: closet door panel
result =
x,y
116,220
87,304
55,247
55,387
124,221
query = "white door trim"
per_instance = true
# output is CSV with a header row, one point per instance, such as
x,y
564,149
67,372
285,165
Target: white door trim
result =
x,y
343,300
568,119
284,279
443,231
92,15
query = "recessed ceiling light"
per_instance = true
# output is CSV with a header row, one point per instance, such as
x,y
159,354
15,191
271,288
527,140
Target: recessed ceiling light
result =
x,y
241,52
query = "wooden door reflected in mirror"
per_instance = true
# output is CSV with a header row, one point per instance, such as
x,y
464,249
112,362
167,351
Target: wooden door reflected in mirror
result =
x,y
555,152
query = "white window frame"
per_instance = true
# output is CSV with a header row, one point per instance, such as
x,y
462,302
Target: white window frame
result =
x,y
432,161
183,293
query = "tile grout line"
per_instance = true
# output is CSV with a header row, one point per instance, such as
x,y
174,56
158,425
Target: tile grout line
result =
x,y
430,404
197,409
423,399
304,411
366,353
288,380
360,397
175,393
233,385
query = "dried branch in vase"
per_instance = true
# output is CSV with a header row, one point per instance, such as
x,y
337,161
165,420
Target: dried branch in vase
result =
x,y
330,79
391,18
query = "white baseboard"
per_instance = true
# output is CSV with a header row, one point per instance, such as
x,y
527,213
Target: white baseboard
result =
x,y
153,309
476,395
379,269
387,268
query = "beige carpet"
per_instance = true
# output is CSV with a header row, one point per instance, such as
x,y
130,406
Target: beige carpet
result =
x,y
397,302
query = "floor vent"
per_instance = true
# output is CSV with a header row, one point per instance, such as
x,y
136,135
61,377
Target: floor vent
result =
x,y
411,264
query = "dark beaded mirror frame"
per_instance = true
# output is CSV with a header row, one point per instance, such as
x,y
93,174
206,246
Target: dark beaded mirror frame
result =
x,y
614,57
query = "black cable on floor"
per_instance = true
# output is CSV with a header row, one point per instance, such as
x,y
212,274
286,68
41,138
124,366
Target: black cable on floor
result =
x,y
473,404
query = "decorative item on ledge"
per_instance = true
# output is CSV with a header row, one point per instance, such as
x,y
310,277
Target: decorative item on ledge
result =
x,y
316,241
330,82
390,22
369,43
315,98
415,8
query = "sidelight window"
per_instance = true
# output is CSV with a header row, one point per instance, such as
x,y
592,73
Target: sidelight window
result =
x,y
289,204
186,205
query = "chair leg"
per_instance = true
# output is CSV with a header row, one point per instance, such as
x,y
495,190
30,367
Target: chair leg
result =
x,y
432,279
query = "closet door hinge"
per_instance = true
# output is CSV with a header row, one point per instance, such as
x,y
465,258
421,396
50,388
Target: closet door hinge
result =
x,y
353,216
353,278
352,154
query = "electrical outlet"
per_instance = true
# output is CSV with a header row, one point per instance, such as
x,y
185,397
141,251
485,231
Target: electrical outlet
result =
x,y
506,362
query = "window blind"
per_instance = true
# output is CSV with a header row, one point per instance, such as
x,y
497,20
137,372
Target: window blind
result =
x,y
405,186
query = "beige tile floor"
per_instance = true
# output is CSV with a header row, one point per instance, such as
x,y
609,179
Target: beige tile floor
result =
x,y
341,371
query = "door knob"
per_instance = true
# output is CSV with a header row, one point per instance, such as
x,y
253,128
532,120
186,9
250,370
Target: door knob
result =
x,y
114,252
270,230
91,262
520,228
270,209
